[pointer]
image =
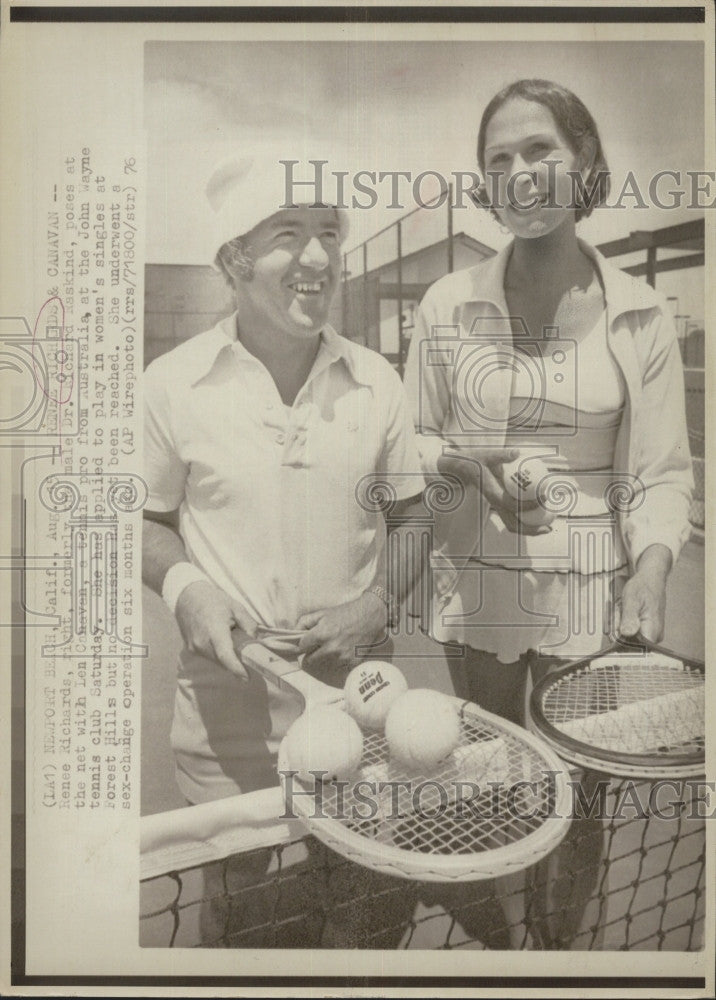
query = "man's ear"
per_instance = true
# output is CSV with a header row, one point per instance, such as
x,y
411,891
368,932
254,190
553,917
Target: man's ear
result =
x,y
235,260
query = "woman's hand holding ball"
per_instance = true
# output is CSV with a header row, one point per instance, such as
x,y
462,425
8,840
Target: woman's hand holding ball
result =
x,y
485,468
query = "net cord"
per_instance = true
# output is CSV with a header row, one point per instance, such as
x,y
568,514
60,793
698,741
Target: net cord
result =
x,y
197,835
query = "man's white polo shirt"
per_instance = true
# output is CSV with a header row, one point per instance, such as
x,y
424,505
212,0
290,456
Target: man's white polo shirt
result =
x,y
272,499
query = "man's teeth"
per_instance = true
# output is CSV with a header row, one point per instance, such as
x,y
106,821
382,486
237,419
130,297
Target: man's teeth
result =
x,y
306,288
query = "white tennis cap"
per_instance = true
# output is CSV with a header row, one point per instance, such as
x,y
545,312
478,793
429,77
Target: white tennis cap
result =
x,y
244,190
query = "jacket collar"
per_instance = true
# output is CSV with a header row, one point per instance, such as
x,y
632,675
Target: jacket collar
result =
x,y
622,292
223,337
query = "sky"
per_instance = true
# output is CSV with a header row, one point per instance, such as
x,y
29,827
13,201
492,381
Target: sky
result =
x,y
406,106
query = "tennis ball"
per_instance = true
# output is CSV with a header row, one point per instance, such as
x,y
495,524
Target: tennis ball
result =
x,y
521,479
324,738
422,727
370,690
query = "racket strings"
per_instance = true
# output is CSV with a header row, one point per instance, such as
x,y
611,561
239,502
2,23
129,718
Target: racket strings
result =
x,y
492,791
631,707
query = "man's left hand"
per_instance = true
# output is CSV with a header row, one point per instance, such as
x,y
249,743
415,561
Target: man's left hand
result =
x,y
333,634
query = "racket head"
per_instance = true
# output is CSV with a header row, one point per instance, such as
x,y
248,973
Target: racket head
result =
x,y
634,710
518,808
505,804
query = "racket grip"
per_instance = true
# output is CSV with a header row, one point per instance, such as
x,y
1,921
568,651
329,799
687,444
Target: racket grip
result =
x,y
254,655
287,675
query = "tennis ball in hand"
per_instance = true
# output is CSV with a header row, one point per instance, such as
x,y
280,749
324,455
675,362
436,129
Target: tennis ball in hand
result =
x,y
521,479
422,727
370,690
323,739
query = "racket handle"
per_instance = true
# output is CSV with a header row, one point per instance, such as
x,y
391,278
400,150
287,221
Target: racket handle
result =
x,y
287,675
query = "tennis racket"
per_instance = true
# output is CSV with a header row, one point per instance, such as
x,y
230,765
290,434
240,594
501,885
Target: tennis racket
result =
x,y
497,804
636,710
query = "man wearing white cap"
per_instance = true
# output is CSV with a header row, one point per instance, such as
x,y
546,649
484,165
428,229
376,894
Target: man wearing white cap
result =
x,y
258,434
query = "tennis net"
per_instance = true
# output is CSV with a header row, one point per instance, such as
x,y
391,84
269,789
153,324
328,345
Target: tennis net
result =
x,y
230,874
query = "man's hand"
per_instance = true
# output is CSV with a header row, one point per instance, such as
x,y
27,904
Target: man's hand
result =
x,y
333,634
484,469
206,616
643,600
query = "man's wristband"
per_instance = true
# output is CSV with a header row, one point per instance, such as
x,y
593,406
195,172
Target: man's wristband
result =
x,y
390,602
177,579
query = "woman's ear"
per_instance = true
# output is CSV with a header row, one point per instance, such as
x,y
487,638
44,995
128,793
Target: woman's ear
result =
x,y
479,196
587,156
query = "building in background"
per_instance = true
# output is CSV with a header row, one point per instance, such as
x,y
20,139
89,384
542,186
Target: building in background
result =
x,y
379,304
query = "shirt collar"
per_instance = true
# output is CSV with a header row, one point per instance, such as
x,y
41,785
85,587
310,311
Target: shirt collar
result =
x,y
622,292
339,348
332,348
209,345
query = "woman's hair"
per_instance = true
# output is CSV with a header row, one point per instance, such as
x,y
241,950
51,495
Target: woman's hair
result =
x,y
576,125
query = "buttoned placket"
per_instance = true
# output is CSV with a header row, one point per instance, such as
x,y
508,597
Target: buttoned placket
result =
x,y
296,437
299,419
288,427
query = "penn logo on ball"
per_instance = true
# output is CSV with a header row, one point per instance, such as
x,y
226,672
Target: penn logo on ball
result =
x,y
370,689
521,479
